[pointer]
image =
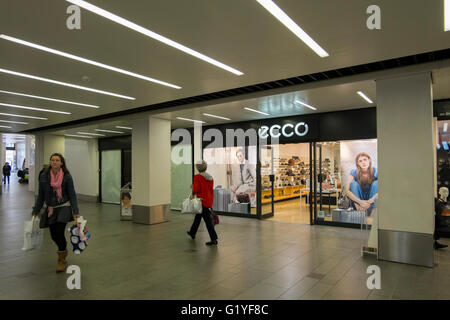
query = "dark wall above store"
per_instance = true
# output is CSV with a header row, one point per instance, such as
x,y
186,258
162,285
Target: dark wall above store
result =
x,y
114,143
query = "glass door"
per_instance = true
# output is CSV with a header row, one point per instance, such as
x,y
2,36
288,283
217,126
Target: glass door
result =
x,y
266,186
111,174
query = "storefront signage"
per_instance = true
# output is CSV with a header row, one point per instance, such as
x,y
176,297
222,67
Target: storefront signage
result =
x,y
287,130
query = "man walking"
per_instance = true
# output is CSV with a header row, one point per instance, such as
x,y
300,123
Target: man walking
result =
x,y
6,172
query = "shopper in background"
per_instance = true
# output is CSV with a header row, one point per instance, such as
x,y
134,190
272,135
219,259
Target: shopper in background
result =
x,y
362,186
203,188
56,189
6,172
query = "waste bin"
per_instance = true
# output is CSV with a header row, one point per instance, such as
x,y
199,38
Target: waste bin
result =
x,y
126,210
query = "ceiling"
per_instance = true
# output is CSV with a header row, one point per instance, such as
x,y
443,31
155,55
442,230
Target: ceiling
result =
x,y
241,34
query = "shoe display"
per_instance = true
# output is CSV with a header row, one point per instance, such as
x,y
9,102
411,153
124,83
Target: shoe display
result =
x,y
190,235
212,243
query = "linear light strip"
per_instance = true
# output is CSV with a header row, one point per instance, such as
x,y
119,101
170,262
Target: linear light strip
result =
x,y
124,127
16,122
306,105
49,99
447,15
186,119
292,26
364,97
65,84
98,64
257,111
75,135
92,134
214,116
20,116
5,127
31,108
109,131
151,34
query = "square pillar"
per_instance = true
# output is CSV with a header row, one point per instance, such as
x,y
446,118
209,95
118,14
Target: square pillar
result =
x,y
151,148
406,164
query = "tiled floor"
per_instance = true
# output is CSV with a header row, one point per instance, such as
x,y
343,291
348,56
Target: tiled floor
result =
x,y
254,260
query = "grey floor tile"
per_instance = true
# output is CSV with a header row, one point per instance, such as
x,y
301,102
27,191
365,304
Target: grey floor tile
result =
x,y
317,292
299,289
261,291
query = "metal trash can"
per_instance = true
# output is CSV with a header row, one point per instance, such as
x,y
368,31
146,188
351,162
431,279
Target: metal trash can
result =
x,y
126,206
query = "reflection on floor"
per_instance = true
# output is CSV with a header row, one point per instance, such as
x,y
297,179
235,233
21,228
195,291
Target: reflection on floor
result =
x,y
289,211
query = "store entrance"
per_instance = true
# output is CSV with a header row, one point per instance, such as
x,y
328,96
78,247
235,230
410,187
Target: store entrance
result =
x,y
291,185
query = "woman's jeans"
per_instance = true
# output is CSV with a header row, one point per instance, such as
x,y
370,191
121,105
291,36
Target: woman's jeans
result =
x,y
206,214
4,179
57,232
356,189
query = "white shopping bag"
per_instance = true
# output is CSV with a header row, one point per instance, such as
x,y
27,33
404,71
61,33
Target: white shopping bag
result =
x,y
32,238
192,205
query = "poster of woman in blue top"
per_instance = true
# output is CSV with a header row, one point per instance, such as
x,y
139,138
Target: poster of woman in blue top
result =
x,y
362,188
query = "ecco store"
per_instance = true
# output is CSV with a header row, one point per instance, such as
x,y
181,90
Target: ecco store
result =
x,y
312,169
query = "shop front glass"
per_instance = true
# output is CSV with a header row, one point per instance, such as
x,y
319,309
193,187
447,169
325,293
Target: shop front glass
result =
x,y
235,179
346,182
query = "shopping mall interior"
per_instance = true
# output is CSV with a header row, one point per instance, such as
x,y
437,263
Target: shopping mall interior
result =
x,y
324,128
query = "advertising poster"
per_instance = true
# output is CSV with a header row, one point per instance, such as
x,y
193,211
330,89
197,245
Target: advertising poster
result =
x,y
359,172
234,173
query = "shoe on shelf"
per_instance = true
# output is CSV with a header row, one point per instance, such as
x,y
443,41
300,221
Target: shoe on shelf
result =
x,y
438,245
212,243
190,235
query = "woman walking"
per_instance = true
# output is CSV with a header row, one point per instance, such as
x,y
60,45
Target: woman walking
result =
x,y
203,188
57,191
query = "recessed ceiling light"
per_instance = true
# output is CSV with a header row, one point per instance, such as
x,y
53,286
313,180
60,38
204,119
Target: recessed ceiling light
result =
x,y
49,99
364,97
5,127
257,111
75,135
306,105
92,134
214,116
291,25
16,122
445,126
31,108
98,64
20,116
110,131
151,34
447,15
65,84
186,119
124,127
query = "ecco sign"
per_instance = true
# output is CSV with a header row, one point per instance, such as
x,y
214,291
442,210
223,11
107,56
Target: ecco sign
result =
x,y
287,130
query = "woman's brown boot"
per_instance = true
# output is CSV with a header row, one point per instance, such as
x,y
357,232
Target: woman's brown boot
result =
x,y
62,264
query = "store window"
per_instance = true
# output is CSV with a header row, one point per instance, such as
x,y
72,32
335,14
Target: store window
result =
x,y
347,181
235,178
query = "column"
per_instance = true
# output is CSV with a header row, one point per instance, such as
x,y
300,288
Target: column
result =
x,y
406,169
198,140
151,170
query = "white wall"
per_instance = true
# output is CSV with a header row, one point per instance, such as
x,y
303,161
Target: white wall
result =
x,y
82,160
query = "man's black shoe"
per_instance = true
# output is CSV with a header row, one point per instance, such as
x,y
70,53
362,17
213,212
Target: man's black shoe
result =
x,y
212,243
438,245
190,235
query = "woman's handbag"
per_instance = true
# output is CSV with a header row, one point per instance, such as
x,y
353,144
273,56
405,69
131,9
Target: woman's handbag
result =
x,y
43,218
215,217
192,205
344,202
79,235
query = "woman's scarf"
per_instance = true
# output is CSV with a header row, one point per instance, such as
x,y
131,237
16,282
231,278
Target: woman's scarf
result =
x,y
55,183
